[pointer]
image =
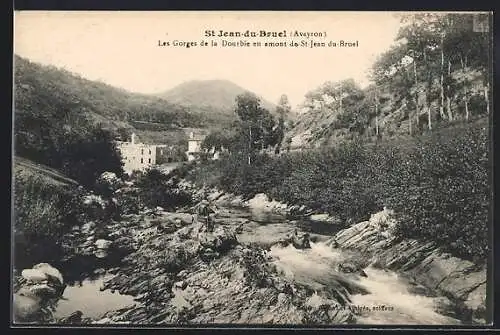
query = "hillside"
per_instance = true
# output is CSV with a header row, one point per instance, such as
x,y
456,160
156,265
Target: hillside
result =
x,y
435,74
24,169
211,96
51,88
327,124
43,92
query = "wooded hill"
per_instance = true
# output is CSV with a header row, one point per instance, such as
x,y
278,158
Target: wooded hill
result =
x,y
56,90
436,73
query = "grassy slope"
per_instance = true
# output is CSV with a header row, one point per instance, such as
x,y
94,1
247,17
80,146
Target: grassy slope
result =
x,y
25,168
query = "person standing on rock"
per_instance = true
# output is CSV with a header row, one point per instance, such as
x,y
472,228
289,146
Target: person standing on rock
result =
x,y
204,210
208,210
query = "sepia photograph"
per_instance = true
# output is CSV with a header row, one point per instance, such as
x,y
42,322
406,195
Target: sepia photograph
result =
x,y
256,168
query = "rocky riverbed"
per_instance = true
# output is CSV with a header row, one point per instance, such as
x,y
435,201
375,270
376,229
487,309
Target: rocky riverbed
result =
x,y
170,270
194,276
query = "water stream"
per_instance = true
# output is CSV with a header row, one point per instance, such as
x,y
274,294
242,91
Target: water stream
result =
x,y
389,300
87,297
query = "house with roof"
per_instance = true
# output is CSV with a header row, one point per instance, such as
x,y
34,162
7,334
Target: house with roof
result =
x,y
137,156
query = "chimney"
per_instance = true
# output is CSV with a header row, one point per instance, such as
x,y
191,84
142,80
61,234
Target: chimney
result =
x,y
133,138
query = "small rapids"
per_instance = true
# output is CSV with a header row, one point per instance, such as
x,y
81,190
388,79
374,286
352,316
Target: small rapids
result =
x,y
396,305
381,298
313,267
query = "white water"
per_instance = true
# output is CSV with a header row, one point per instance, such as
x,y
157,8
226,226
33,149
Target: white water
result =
x,y
388,301
389,290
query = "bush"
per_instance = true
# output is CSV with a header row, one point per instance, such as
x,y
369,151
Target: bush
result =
x,y
441,192
43,213
155,189
129,201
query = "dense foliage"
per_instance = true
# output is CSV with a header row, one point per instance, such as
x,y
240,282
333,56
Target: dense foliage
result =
x,y
43,213
53,125
438,183
81,151
156,189
441,190
255,130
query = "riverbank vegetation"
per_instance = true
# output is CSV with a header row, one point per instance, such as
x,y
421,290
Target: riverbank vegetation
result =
x,y
437,183
155,189
44,212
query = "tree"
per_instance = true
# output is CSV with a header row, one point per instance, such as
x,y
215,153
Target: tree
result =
x,y
217,140
283,109
437,63
254,127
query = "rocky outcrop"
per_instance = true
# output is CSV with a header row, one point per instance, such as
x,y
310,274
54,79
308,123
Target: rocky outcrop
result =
x,y
36,291
424,263
260,202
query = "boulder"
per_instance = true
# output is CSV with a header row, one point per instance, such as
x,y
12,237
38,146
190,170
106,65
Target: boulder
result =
x,y
180,218
50,271
43,290
87,227
353,268
34,275
100,253
43,285
181,284
298,242
73,318
25,308
319,217
220,240
477,298
301,242
102,244
322,218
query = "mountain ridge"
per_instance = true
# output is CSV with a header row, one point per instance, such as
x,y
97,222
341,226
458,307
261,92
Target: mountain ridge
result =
x,y
211,94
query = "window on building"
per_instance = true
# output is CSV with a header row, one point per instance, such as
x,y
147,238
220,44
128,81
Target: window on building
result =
x,y
149,160
142,152
142,161
150,152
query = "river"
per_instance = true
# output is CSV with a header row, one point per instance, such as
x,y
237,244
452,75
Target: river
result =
x,y
390,298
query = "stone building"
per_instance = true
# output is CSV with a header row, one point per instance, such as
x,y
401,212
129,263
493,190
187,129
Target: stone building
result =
x,y
194,146
138,156
195,151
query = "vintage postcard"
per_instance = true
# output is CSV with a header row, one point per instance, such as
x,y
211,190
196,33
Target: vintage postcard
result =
x,y
252,168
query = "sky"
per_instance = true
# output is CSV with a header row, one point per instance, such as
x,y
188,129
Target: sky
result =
x,y
121,48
